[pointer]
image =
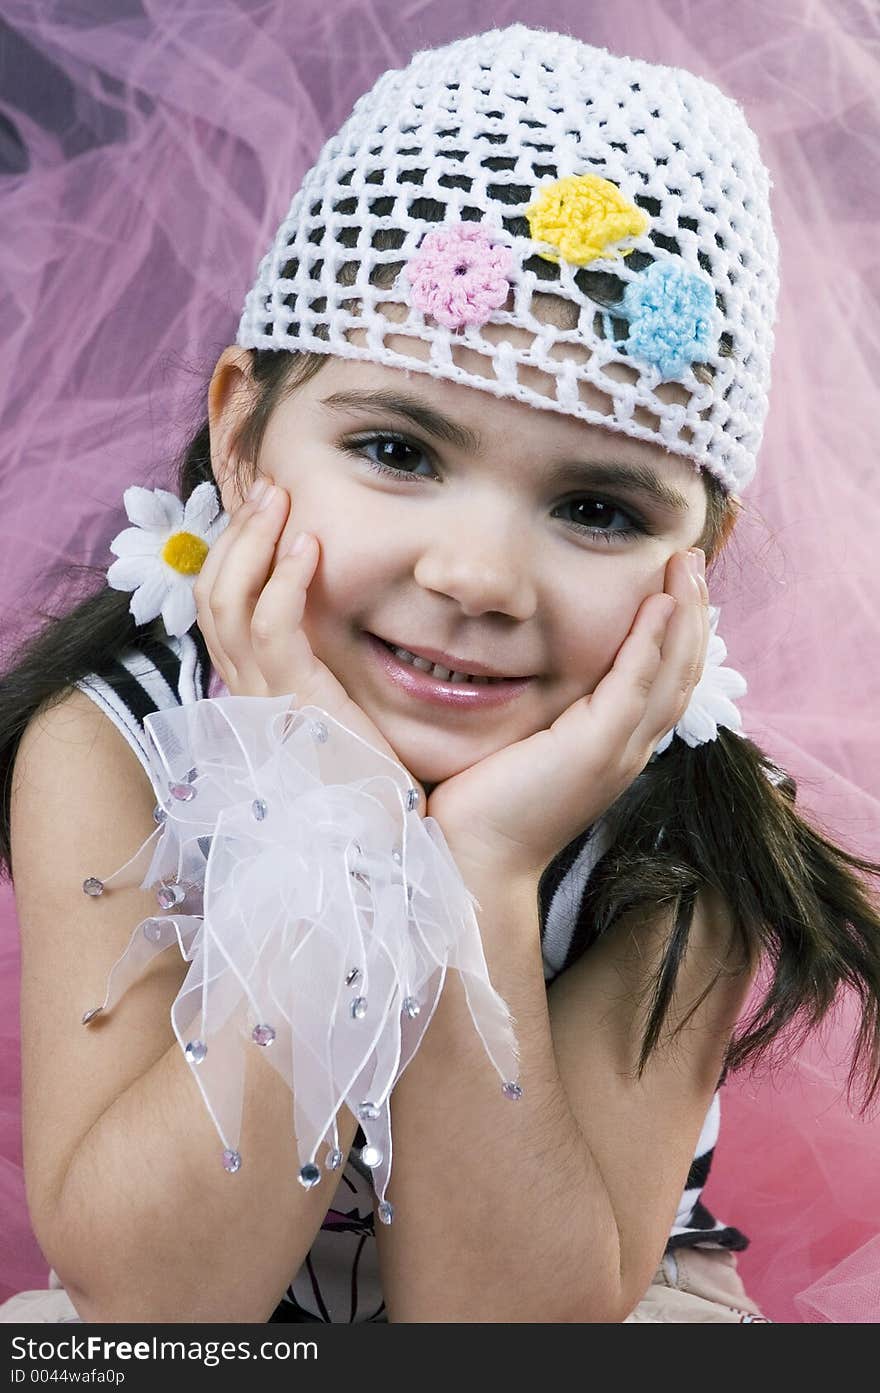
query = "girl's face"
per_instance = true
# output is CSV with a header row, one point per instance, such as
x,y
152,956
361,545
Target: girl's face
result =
x,y
494,542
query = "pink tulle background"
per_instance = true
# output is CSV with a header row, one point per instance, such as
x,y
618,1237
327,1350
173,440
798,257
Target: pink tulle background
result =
x,y
150,152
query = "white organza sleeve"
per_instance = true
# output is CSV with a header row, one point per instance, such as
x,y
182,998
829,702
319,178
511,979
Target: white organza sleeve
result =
x,y
319,913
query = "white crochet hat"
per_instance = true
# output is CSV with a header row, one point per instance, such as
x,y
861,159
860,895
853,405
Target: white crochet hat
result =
x,y
521,161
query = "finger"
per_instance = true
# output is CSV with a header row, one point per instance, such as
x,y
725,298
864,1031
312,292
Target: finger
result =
x,y
263,636
620,703
683,657
206,578
285,654
281,646
240,579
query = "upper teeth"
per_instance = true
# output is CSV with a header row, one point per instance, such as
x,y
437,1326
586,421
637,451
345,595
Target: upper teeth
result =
x,y
436,670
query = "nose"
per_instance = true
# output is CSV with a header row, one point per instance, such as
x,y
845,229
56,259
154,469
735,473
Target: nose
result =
x,y
482,568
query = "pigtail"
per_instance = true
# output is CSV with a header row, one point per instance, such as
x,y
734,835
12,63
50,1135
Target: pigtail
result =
x,y
722,815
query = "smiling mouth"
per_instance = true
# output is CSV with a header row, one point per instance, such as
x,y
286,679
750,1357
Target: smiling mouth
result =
x,y
443,674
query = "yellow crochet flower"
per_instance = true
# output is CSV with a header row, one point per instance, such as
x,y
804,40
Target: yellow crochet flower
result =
x,y
581,215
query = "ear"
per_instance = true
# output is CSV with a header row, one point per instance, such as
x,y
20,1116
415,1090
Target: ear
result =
x,y
231,396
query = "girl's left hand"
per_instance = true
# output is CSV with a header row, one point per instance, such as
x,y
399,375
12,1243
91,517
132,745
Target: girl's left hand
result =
x,y
512,812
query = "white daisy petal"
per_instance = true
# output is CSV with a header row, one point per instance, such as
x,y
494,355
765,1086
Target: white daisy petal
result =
x,y
147,601
155,508
137,541
201,509
697,726
731,682
131,571
173,509
179,609
726,714
716,651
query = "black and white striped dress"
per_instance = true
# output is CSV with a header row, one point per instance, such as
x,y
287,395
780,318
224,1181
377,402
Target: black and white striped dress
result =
x,y
339,1282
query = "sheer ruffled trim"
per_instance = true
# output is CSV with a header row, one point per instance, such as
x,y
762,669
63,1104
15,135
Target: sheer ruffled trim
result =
x,y
319,912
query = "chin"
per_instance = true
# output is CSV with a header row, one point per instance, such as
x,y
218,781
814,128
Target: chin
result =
x,y
435,756
429,771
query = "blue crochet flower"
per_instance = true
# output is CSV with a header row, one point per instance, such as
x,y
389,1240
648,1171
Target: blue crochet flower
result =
x,y
669,310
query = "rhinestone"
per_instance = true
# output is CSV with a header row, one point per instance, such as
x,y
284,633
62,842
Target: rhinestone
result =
x,y
309,1176
358,1008
511,1090
170,895
371,1156
411,1007
93,886
91,1014
153,930
412,799
318,731
352,976
368,1112
386,1212
231,1161
259,808
397,855
160,814
184,793
195,1051
334,1159
263,1034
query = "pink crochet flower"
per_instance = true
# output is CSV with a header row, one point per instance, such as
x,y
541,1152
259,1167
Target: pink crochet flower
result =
x,y
458,276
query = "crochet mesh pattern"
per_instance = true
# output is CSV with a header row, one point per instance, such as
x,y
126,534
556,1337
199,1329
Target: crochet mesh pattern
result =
x,y
660,326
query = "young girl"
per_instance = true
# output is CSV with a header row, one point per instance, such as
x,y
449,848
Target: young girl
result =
x,y
495,394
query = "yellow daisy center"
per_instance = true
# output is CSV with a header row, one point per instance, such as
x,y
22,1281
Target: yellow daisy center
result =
x,y
185,552
581,215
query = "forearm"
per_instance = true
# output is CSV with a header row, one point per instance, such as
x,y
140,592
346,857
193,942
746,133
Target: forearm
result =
x,y
149,1225
501,1213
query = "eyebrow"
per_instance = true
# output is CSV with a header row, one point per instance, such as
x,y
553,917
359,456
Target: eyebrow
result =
x,y
635,478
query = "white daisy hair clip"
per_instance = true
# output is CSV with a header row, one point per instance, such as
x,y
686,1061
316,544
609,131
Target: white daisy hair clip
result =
x,y
163,552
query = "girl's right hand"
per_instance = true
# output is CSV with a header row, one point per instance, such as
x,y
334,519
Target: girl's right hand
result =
x,y
251,621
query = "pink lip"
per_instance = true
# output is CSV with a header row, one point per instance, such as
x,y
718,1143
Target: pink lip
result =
x,y
438,693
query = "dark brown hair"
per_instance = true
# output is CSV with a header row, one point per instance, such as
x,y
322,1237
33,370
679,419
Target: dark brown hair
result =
x,y
695,818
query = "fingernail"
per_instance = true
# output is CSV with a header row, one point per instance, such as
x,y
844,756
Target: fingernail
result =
x,y
297,546
257,488
696,559
267,498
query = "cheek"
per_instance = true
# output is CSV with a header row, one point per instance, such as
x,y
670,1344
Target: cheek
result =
x,y
325,513
352,574
589,640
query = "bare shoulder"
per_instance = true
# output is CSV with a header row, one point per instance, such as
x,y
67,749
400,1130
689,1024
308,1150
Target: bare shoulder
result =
x,y
81,805
75,724
643,1132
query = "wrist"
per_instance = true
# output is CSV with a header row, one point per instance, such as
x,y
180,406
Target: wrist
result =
x,y
493,883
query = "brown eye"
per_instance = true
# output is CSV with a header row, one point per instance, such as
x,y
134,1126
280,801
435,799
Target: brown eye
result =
x,y
390,461
593,511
